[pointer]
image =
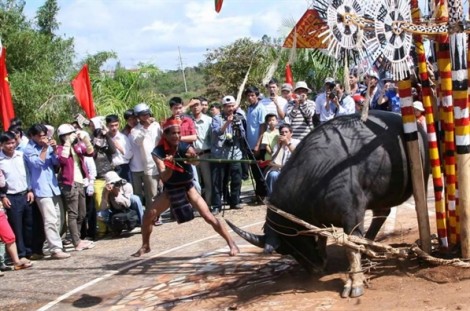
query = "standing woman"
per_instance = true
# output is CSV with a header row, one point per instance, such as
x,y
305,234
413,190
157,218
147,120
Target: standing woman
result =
x,y
73,172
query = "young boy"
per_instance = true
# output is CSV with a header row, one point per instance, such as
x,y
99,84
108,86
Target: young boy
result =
x,y
269,139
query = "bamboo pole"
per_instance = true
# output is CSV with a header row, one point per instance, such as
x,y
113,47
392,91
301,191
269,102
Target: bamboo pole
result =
x,y
411,136
431,130
216,160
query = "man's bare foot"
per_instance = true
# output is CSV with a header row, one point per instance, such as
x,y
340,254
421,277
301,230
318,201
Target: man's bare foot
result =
x,y
234,250
141,251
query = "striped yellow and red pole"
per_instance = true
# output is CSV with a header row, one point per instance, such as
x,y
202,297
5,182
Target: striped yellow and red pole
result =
x,y
431,130
447,116
412,145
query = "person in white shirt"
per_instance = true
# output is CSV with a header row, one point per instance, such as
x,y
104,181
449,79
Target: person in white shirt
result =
x,y
146,136
282,152
344,103
273,103
300,111
123,153
17,197
323,110
202,145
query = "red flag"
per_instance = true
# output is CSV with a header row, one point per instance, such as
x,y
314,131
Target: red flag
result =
x,y
82,89
6,106
289,77
218,5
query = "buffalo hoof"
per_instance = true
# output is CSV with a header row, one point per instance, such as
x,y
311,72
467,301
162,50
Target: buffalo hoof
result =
x,y
346,292
357,291
353,292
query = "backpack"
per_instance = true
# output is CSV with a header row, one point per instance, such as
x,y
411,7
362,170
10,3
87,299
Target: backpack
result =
x,y
123,220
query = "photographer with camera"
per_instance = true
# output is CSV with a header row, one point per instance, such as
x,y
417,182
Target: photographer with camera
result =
x,y
71,152
228,134
119,197
300,111
344,103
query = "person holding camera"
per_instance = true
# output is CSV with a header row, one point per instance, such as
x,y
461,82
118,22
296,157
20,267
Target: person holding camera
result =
x,y
343,102
73,171
227,138
104,150
41,160
300,111
324,110
119,196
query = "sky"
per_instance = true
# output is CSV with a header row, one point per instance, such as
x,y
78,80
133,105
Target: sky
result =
x,y
151,31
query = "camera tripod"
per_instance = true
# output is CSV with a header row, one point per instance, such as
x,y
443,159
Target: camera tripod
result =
x,y
254,171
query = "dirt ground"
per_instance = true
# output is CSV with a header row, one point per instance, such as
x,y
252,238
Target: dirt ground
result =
x,y
392,284
189,269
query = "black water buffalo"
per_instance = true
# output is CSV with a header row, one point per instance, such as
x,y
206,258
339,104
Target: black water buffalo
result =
x,y
339,170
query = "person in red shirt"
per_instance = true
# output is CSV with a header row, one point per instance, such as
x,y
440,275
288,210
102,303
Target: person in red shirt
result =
x,y
188,130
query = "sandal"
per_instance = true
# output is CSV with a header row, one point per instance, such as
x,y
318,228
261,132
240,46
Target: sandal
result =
x,y
25,260
22,266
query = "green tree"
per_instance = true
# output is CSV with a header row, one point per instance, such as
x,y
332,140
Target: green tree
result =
x,y
39,64
115,92
225,67
47,18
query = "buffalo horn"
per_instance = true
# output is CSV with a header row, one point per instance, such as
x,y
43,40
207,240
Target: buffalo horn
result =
x,y
256,240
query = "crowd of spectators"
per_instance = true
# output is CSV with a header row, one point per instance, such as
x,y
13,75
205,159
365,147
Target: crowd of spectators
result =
x,y
64,188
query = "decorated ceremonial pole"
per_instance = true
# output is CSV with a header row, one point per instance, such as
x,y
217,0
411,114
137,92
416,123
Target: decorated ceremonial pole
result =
x,y
411,136
447,112
431,130
458,46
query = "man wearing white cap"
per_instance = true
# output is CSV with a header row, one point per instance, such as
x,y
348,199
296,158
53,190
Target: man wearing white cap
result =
x,y
227,137
146,135
373,89
300,111
119,195
419,114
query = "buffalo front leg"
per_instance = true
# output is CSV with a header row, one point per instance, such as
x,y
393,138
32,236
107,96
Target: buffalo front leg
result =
x,y
378,219
354,286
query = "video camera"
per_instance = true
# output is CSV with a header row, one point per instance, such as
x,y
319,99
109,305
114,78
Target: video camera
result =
x,y
237,120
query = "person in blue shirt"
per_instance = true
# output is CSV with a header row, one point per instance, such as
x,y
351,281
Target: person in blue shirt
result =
x,y
255,128
41,159
227,137
179,191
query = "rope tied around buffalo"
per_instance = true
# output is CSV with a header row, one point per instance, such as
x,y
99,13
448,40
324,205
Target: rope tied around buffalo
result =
x,y
366,246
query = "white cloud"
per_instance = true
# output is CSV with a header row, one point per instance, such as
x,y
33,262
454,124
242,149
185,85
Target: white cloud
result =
x,y
151,31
